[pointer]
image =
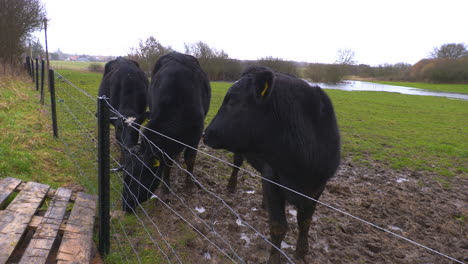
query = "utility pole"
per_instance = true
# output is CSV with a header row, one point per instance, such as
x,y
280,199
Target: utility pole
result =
x,y
46,46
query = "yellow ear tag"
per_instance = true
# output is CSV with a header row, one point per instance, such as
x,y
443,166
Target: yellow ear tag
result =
x,y
157,163
264,89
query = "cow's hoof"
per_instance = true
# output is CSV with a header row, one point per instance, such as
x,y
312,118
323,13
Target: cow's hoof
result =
x,y
302,248
231,189
274,258
300,254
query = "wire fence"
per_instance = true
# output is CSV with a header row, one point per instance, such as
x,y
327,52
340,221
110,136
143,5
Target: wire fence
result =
x,y
169,228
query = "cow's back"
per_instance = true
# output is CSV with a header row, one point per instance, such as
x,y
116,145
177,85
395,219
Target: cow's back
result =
x,y
179,100
126,86
312,148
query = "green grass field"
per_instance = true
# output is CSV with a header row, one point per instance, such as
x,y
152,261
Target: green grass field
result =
x,y
450,88
402,131
73,65
418,133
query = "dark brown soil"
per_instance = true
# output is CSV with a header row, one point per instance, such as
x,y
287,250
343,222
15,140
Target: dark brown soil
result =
x,y
408,203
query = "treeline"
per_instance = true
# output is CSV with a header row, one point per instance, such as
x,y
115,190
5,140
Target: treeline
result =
x,y
450,64
18,19
216,63
434,70
441,70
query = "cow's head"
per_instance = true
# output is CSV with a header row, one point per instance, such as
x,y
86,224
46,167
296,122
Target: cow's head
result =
x,y
127,128
142,170
244,116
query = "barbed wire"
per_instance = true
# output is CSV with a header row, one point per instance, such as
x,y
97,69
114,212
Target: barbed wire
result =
x,y
76,87
58,86
181,217
199,184
80,124
128,239
150,236
118,242
181,200
139,126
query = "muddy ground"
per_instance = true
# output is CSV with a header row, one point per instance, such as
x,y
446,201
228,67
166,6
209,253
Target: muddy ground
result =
x,y
411,204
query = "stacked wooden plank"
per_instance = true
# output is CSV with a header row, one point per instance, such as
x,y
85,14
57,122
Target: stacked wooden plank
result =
x,y
28,235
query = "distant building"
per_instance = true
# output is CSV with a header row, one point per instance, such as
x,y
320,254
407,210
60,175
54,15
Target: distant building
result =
x,y
83,59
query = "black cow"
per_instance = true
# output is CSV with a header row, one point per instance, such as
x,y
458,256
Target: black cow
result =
x,y
289,130
179,98
126,85
237,161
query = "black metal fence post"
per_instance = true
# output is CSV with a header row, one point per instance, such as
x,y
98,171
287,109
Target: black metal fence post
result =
x,y
52,102
37,74
32,70
28,65
42,81
104,170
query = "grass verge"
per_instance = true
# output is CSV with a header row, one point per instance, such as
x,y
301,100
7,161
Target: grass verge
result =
x,y
28,150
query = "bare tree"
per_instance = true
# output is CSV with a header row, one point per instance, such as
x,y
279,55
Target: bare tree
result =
x,y
18,19
148,52
450,51
202,51
216,64
279,65
345,57
37,49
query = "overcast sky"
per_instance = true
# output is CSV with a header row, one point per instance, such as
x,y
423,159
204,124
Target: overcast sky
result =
x,y
386,31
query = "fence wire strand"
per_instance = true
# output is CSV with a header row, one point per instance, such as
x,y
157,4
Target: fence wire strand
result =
x,y
138,127
181,200
149,235
118,243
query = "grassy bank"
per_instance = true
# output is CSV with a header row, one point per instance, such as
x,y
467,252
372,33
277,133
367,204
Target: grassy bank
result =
x,y
27,148
441,87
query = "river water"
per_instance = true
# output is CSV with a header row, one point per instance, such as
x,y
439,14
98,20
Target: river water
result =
x,y
367,86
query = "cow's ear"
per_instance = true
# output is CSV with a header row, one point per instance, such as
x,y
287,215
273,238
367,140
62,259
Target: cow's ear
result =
x,y
263,84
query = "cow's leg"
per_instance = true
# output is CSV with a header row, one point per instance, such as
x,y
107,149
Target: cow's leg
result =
x,y
275,203
238,159
264,195
166,176
304,218
190,156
